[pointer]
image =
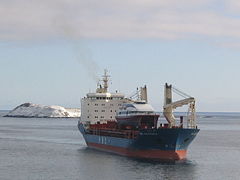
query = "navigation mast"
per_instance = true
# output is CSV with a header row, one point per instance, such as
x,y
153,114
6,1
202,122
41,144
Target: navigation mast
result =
x,y
105,80
103,88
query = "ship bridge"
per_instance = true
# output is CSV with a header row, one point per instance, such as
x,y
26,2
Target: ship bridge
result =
x,y
101,106
105,96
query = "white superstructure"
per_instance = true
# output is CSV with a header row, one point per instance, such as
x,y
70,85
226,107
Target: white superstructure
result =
x,y
101,106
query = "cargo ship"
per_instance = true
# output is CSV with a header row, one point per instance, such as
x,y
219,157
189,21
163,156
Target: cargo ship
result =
x,y
130,126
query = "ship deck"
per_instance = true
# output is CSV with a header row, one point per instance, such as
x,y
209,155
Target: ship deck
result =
x,y
129,134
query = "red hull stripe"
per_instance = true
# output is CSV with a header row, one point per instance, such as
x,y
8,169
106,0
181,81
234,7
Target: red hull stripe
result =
x,y
149,154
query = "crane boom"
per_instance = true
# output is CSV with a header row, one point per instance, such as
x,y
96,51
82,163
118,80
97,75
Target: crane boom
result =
x,y
180,103
169,106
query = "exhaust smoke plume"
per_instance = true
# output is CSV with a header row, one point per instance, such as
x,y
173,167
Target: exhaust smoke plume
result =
x,y
84,57
82,52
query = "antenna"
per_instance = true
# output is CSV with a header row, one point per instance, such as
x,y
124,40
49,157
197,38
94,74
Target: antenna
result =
x,y
105,80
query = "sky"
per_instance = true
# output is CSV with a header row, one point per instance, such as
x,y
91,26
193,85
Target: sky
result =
x,y
53,51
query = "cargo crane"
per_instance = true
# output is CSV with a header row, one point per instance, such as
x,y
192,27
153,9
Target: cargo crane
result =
x,y
169,106
139,95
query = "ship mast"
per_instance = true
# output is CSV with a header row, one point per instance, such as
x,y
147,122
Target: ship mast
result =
x,y
105,79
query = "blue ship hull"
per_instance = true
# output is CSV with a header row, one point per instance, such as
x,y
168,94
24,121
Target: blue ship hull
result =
x,y
162,143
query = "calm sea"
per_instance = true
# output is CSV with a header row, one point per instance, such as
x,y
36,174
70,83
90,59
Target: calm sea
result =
x,y
37,149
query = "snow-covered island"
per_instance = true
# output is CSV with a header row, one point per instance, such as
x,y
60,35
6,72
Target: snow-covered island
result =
x,y
41,111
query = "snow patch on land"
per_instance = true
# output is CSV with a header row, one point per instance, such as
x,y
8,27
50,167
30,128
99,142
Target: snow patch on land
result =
x,y
41,111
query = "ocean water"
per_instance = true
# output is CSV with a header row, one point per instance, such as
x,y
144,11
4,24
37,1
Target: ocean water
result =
x,y
39,149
